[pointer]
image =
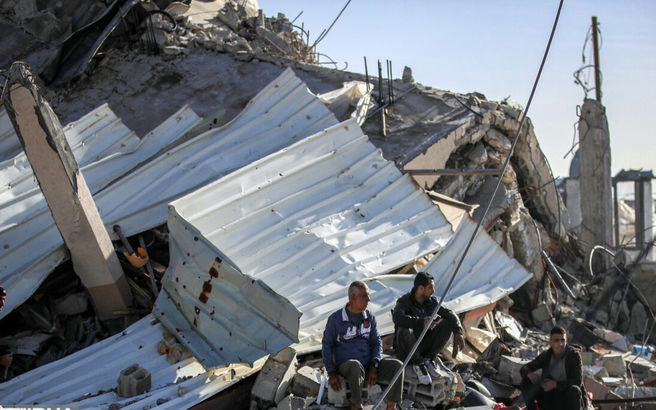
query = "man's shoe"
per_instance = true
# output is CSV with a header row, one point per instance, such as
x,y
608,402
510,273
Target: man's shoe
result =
x,y
422,374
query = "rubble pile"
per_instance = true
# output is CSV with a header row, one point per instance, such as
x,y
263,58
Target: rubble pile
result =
x,y
216,65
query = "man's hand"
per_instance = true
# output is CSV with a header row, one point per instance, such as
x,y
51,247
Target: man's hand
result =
x,y
373,376
533,377
5,360
458,344
549,385
333,380
434,323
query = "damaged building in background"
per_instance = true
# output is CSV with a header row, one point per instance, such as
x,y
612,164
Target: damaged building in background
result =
x,y
260,184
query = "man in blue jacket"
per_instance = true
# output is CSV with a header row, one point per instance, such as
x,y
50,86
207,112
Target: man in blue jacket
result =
x,y
352,348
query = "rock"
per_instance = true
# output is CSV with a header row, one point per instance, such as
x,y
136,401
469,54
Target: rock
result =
x,y
72,304
590,358
509,369
638,319
228,16
46,27
276,375
407,75
477,154
133,381
541,314
614,363
306,382
292,402
275,40
498,141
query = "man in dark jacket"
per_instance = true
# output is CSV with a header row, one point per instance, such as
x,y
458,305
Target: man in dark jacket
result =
x,y
411,314
561,384
351,344
5,355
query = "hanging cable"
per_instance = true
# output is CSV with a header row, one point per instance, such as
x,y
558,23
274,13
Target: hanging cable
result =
x,y
487,208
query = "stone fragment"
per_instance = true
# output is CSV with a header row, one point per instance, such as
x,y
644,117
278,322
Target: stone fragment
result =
x,y
509,369
407,75
228,16
600,392
541,314
306,382
638,319
498,141
133,381
276,375
477,154
72,304
614,363
275,40
590,358
292,402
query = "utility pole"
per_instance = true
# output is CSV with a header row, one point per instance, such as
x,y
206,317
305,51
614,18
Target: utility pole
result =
x,y
595,45
66,193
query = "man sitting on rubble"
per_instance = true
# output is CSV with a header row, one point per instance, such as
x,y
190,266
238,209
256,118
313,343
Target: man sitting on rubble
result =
x,y
352,345
561,384
411,314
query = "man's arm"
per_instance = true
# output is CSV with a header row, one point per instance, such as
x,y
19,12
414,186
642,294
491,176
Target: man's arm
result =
x,y
574,370
375,342
533,365
451,318
328,345
403,316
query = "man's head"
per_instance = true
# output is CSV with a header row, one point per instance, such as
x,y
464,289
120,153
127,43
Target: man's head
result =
x,y
358,294
3,293
558,340
424,286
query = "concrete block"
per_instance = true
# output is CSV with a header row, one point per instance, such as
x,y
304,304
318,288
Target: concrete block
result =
x,y
590,358
292,402
340,398
276,375
600,392
541,314
306,382
509,369
133,381
614,363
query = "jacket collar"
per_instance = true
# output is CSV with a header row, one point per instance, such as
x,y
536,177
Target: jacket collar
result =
x,y
345,316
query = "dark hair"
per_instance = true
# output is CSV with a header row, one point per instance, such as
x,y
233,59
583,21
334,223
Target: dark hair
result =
x,y
557,330
3,292
422,279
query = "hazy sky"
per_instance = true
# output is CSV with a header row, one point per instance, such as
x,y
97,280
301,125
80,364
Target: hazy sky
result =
x,y
495,47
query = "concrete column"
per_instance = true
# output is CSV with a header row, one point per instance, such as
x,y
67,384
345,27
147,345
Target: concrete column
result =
x,y
595,179
66,192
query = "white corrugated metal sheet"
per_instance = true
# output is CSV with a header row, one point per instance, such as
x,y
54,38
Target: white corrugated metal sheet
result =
x,y
9,144
86,378
306,220
221,315
30,244
285,111
313,217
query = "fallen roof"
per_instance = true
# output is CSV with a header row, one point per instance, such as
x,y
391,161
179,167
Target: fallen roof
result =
x,y
31,245
307,220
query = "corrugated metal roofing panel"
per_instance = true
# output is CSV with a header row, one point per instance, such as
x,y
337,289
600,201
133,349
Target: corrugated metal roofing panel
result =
x,y
9,144
31,245
315,216
218,313
87,377
283,112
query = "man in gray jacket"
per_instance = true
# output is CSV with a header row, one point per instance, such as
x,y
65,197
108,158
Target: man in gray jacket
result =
x,y
411,314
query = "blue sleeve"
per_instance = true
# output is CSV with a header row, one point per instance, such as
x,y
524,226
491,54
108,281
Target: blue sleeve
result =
x,y
328,344
375,342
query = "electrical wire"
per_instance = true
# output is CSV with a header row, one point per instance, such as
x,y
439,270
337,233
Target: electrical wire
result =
x,y
489,204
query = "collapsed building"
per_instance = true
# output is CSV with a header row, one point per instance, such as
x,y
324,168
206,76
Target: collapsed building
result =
x,y
263,184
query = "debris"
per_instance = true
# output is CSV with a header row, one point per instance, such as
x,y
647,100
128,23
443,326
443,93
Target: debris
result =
x,y
72,304
614,363
306,382
133,381
275,377
509,369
